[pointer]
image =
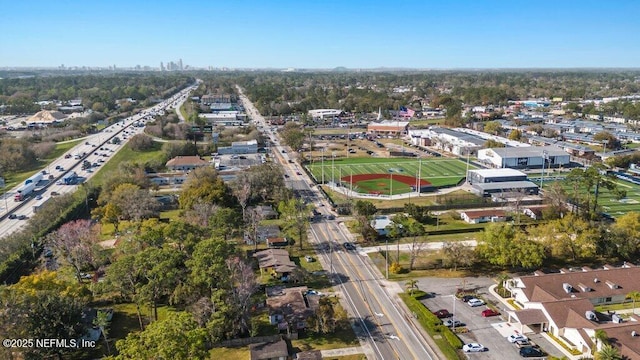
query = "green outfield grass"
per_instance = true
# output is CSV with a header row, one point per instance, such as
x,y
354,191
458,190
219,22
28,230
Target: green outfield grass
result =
x,y
384,186
608,202
439,172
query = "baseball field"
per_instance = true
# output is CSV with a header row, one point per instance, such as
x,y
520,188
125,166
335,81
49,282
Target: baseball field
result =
x,y
389,175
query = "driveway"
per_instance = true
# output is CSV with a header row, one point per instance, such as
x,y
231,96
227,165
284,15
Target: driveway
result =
x,y
481,330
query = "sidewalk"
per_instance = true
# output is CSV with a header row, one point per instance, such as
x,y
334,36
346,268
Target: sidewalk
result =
x,y
407,247
341,352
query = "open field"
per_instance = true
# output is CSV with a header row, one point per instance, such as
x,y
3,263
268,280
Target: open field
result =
x,y
439,172
126,154
608,201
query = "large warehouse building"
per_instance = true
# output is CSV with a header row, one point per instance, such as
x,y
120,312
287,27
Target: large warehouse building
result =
x,y
488,182
525,157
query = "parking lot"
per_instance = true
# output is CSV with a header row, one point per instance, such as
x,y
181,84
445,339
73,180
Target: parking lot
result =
x,y
490,331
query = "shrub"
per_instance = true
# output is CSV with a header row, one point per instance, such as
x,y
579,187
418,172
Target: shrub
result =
x,y
396,268
452,338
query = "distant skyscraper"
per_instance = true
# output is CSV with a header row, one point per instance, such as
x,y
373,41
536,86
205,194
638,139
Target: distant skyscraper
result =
x,y
180,64
161,66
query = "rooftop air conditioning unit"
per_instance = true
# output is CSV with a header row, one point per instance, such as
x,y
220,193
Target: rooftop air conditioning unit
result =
x,y
590,315
567,288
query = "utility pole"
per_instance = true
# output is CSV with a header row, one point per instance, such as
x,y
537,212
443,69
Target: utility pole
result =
x,y
386,257
544,157
333,168
322,167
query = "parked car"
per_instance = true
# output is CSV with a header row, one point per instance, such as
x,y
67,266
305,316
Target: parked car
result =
x,y
442,314
474,347
489,313
530,351
467,298
475,302
517,337
452,323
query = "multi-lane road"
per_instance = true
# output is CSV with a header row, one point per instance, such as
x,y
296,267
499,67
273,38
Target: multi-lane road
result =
x,y
97,149
381,322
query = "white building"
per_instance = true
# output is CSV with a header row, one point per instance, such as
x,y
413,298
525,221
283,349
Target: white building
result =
x,y
240,147
325,113
453,141
525,157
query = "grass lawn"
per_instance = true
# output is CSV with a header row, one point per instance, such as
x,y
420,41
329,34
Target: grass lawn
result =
x,y
12,179
171,214
383,186
126,154
239,353
125,319
426,259
439,172
607,200
342,338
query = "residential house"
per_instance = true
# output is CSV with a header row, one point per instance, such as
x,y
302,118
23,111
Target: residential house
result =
x,y
564,305
186,163
276,261
265,212
381,223
276,350
290,307
263,232
483,216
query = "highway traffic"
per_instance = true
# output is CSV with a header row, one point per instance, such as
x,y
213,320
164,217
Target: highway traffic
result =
x,y
95,149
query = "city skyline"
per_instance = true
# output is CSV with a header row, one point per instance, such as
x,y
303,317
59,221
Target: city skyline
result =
x,y
353,34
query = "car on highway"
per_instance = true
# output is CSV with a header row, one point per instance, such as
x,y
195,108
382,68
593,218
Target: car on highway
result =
x,y
475,302
55,193
474,347
517,337
349,246
286,176
530,351
442,314
453,323
489,313
298,173
22,217
39,197
68,156
13,216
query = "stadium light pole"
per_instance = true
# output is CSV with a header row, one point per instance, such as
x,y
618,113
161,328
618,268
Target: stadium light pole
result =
x,y
322,165
333,157
544,157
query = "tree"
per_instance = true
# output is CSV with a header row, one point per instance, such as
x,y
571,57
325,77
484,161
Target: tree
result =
x,y
493,127
293,135
515,135
244,285
626,235
76,242
140,142
411,285
570,237
41,306
503,245
608,139
601,336
132,203
184,235
295,214
207,265
102,322
456,253
204,185
161,271
324,320
415,230
634,296
608,352
123,277
225,223
175,337
492,144
242,191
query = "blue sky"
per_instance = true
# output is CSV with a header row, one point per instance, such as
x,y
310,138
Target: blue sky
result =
x,y
322,34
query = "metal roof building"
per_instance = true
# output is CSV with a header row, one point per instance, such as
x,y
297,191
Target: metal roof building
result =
x,y
525,157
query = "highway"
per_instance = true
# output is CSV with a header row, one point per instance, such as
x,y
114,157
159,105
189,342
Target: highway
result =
x,y
382,324
97,149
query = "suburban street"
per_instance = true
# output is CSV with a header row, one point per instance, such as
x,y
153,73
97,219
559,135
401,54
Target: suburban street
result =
x,y
379,321
98,150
